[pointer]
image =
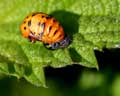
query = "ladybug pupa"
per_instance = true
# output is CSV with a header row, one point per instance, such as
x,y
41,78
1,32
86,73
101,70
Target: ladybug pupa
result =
x,y
45,28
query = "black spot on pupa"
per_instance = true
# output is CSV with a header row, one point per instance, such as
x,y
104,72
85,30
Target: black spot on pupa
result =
x,y
50,28
34,14
29,23
59,24
24,22
27,16
43,16
55,32
32,33
29,37
24,28
60,35
54,20
39,23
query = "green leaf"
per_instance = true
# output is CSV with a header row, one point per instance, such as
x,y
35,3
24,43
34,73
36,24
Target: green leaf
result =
x,y
91,24
37,76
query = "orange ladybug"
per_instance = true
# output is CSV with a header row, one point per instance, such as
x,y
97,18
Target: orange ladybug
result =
x,y
45,28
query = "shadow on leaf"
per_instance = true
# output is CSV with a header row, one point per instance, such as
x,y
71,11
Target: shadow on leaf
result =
x,y
10,64
68,20
14,57
74,55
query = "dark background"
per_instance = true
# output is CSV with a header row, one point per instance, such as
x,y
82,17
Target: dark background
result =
x,y
72,80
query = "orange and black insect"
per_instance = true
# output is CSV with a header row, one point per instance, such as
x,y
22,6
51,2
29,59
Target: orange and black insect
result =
x,y
44,28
